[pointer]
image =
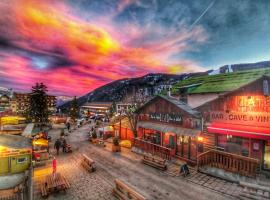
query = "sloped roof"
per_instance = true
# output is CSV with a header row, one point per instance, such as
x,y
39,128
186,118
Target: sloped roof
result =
x,y
220,82
15,141
103,104
180,104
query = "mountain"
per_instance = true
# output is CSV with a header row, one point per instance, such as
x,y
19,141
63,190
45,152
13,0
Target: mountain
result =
x,y
60,100
151,84
119,90
240,67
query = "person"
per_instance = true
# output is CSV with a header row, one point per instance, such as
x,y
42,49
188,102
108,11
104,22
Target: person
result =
x,y
64,145
68,127
184,169
57,145
54,166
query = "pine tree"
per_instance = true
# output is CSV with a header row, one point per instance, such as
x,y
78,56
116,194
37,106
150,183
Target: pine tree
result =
x,y
112,109
38,107
74,109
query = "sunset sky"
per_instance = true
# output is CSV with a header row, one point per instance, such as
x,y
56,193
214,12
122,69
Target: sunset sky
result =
x,y
76,46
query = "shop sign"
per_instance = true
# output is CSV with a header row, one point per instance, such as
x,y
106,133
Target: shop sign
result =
x,y
246,118
175,118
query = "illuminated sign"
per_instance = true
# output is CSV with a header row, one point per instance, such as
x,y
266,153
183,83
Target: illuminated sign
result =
x,y
169,117
246,118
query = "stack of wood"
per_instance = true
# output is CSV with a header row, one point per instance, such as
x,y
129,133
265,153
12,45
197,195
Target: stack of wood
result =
x,y
255,191
54,183
88,163
124,191
156,162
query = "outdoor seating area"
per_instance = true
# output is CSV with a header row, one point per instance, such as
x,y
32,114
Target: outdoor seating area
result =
x,y
54,183
123,191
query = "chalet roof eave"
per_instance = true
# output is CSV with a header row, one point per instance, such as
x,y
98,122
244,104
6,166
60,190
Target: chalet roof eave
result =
x,y
188,86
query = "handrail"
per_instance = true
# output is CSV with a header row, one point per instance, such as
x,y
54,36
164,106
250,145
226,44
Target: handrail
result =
x,y
230,154
152,148
229,162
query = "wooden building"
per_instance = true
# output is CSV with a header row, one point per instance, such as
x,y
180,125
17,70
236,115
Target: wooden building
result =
x,y
238,123
235,110
168,127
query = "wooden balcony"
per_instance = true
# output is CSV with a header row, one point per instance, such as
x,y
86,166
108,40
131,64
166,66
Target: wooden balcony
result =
x,y
242,165
154,149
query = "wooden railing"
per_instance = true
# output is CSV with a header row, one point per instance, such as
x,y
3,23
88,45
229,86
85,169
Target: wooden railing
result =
x,y
154,149
229,162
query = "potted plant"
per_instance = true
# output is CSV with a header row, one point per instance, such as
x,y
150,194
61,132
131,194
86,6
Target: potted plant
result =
x,y
116,146
94,137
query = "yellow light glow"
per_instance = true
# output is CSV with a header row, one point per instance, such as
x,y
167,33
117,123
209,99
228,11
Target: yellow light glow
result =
x,y
2,148
41,142
200,139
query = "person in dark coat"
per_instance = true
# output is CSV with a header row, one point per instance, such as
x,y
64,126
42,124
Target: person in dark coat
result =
x,y
64,145
57,146
68,126
184,170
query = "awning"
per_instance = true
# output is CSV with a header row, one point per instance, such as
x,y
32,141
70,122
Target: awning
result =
x,y
169,128
240,130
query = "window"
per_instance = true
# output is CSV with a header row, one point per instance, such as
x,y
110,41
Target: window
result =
x,y
21,160
234,144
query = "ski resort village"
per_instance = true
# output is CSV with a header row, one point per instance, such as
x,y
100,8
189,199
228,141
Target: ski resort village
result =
x,y
134,100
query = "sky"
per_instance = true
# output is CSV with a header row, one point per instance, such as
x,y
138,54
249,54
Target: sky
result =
x,y
76,46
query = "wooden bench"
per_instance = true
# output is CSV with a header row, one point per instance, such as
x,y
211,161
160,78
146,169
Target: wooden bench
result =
x,y
255,191
54,183
155,162
88,163
124,191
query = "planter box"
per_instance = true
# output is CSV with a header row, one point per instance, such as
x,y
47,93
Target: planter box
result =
x,y
116,148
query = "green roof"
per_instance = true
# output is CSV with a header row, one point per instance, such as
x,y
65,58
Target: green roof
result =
x,y
220,82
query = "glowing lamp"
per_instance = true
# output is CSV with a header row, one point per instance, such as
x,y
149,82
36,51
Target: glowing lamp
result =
x,y
2,148
200,139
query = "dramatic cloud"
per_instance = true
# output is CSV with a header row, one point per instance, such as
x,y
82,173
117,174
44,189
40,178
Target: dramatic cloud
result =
x,y
76,46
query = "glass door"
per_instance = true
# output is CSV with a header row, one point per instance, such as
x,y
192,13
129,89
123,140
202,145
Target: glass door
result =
x,y
267,156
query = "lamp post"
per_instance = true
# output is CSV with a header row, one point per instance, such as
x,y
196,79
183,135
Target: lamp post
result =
x,y
120,124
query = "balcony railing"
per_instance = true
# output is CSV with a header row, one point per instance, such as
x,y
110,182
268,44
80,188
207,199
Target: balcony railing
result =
x,y
242,165
154,149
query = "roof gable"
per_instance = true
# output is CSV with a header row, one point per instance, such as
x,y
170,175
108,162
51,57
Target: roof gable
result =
x,y
179,104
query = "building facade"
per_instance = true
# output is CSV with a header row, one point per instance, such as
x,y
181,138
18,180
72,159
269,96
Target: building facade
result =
x,y
168,127
239,122
96,108
5,103
20,103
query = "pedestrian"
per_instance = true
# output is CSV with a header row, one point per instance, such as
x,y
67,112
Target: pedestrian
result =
x,y
57,146
68,126
54,167
64,145
184,169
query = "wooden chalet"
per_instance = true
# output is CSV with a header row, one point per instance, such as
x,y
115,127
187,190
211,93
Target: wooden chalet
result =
x,y
168,128
235,109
